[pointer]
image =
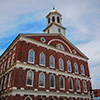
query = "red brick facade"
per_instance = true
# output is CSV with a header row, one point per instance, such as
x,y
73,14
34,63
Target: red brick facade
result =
x,y
18,90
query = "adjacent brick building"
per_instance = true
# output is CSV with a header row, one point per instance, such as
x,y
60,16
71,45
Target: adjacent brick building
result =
x,y
44,66
96,94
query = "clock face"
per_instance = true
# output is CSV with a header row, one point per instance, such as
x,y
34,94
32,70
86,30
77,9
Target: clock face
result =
x,y
43,39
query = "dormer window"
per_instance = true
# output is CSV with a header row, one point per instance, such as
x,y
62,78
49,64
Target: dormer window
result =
x,y
48,20
58,20
59,46
53,19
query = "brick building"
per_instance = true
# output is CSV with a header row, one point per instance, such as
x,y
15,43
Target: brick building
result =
x,y
96,94
44,66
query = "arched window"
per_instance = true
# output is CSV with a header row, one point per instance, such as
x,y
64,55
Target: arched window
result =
x,y
70,83
58,20
60,64
59,46
61,82
52,81
48,20
31,56
84,86
51,61
68,66
29,80
77,85
41,79
40,99
42,59
61,99
82,70
53,19
76,68
28,98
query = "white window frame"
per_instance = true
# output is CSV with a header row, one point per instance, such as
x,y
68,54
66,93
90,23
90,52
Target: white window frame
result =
x,y
60,46
54,81
53,61
77,68
63,83
70,66
72,84
33,56
40,59
27,78
62,64
44,80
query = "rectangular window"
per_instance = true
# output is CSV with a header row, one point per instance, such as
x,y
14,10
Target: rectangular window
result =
x,y
9,80
5,82
13,57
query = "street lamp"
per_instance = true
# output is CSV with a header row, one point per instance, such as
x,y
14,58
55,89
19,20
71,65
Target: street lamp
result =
x,y
91,95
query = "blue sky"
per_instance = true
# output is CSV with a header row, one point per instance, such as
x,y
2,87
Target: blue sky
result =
x,y
80,17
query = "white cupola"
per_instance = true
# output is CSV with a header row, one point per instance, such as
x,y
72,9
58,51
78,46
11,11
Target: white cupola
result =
x,y
54,23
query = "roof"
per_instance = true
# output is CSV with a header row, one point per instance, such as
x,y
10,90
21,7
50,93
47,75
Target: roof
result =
x,y
55,24
32,34
53,11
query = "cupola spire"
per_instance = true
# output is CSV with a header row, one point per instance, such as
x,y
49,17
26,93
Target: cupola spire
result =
x,y
54,23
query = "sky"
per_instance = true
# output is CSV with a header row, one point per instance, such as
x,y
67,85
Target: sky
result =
x,y
80,17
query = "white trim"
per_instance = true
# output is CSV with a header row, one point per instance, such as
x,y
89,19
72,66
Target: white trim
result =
x,y
5,82
43,93
52,48
61,42
28,97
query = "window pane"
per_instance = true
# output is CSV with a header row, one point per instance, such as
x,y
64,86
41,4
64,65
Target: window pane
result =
x,y
76,68
41,79
51,61
84,86
53,19
61,82
28,99
29,77
82,70
31,56
51,81
69,66
70,83
77,85
58,20
60,64
42,57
